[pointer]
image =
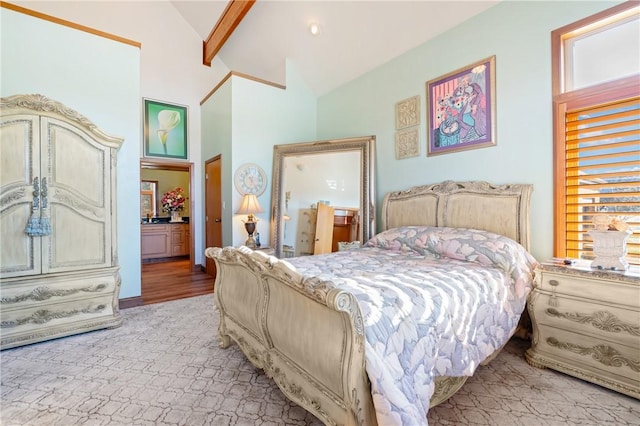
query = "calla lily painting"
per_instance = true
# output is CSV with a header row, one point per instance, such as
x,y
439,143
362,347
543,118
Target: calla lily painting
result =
x,y
165,129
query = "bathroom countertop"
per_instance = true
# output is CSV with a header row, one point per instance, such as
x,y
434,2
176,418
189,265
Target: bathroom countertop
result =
x,y
163,221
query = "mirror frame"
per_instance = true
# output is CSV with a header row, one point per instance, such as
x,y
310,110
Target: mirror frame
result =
x,y
365,145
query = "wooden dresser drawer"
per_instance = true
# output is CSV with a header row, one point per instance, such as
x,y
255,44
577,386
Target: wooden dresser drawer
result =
x,y
611,322
606,362
599,291
38,291
56,314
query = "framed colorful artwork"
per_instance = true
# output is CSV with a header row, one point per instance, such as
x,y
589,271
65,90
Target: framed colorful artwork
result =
x,y
461,109
165,130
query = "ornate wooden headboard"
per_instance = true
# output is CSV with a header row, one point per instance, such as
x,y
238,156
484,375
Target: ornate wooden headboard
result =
x,y
502,209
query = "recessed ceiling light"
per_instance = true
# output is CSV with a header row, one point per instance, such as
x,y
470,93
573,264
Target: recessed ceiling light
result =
x,y
314,28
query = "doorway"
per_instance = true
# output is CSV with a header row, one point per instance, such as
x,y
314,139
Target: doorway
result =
x,y
165,244
213,208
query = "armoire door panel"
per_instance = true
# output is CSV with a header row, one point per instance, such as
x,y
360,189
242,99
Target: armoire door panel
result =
x,y
20,254
79,241
19,151
19,146
78,166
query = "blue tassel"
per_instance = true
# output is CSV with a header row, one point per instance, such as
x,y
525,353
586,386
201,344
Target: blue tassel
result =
x,y
33,226
45,226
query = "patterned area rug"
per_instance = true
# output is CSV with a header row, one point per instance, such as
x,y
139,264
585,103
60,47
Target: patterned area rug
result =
x,y
164,367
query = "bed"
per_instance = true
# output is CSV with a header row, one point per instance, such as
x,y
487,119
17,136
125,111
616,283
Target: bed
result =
x,y
334,330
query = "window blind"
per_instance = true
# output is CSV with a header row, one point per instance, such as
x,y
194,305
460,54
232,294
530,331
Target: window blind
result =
x,y
602,163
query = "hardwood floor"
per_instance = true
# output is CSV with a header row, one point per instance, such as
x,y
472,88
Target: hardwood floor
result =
x,y
164,281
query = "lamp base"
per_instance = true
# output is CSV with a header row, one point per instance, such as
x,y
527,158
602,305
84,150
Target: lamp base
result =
x,y
251,242
251,228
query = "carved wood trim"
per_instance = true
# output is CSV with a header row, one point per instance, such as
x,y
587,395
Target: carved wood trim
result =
x,y
44,316
602,320
49,107
604,354
44,292
449,192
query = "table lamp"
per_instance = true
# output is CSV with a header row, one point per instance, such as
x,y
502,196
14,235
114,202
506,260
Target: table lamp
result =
x,y
249,206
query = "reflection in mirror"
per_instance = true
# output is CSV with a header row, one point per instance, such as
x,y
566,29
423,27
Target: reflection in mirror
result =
x,y
335,175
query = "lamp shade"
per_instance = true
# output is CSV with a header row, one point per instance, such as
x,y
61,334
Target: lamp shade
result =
x,y
250,205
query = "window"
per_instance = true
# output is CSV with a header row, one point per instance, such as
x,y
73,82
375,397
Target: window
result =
x,y
596,99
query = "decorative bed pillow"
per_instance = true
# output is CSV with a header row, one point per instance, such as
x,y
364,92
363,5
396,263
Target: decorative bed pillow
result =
x,y
404,238
464,244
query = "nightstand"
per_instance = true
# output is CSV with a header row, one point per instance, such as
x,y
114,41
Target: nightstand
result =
x,y
586,323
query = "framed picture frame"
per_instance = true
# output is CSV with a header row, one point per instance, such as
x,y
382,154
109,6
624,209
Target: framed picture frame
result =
x,y
461,109
148,198
165,129
147,206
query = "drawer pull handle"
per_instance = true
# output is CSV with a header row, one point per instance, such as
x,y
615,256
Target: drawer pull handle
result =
x,y
553,300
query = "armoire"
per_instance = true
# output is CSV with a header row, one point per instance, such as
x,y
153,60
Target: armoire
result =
x,y
59,272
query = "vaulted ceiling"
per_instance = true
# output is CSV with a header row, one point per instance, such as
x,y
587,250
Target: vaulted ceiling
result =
x,y
355,36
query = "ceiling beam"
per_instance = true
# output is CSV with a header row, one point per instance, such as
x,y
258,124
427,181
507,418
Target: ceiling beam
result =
x,y
230,19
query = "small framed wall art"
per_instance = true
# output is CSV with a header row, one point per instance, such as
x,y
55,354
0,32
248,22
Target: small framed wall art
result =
x,y
408,112
407,143
165,130
461,109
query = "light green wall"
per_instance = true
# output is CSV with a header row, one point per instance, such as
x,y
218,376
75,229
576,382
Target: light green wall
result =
x,y
519,35
260,116
216,140
105,91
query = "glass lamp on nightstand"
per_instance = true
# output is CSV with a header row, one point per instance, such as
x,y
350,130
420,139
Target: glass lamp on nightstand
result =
x,y
250,206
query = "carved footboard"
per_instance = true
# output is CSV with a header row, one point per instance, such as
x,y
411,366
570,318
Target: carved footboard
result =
x,y
304,333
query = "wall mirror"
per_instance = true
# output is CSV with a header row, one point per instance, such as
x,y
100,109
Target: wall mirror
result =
x,y
149,198
338,173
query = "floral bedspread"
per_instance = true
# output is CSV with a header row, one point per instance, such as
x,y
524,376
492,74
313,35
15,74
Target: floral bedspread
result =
x,y
435,301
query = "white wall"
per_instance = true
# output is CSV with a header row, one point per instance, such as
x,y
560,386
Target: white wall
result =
x,y
260,116
106,92
519,34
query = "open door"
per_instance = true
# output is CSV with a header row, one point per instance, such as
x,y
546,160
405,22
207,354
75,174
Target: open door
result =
x,y
324,229
213,208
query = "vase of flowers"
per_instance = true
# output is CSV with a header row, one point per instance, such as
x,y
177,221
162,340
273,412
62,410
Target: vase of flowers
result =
x,y
173,203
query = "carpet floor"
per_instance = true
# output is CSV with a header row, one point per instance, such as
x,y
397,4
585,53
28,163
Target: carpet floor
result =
x,y
164,367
